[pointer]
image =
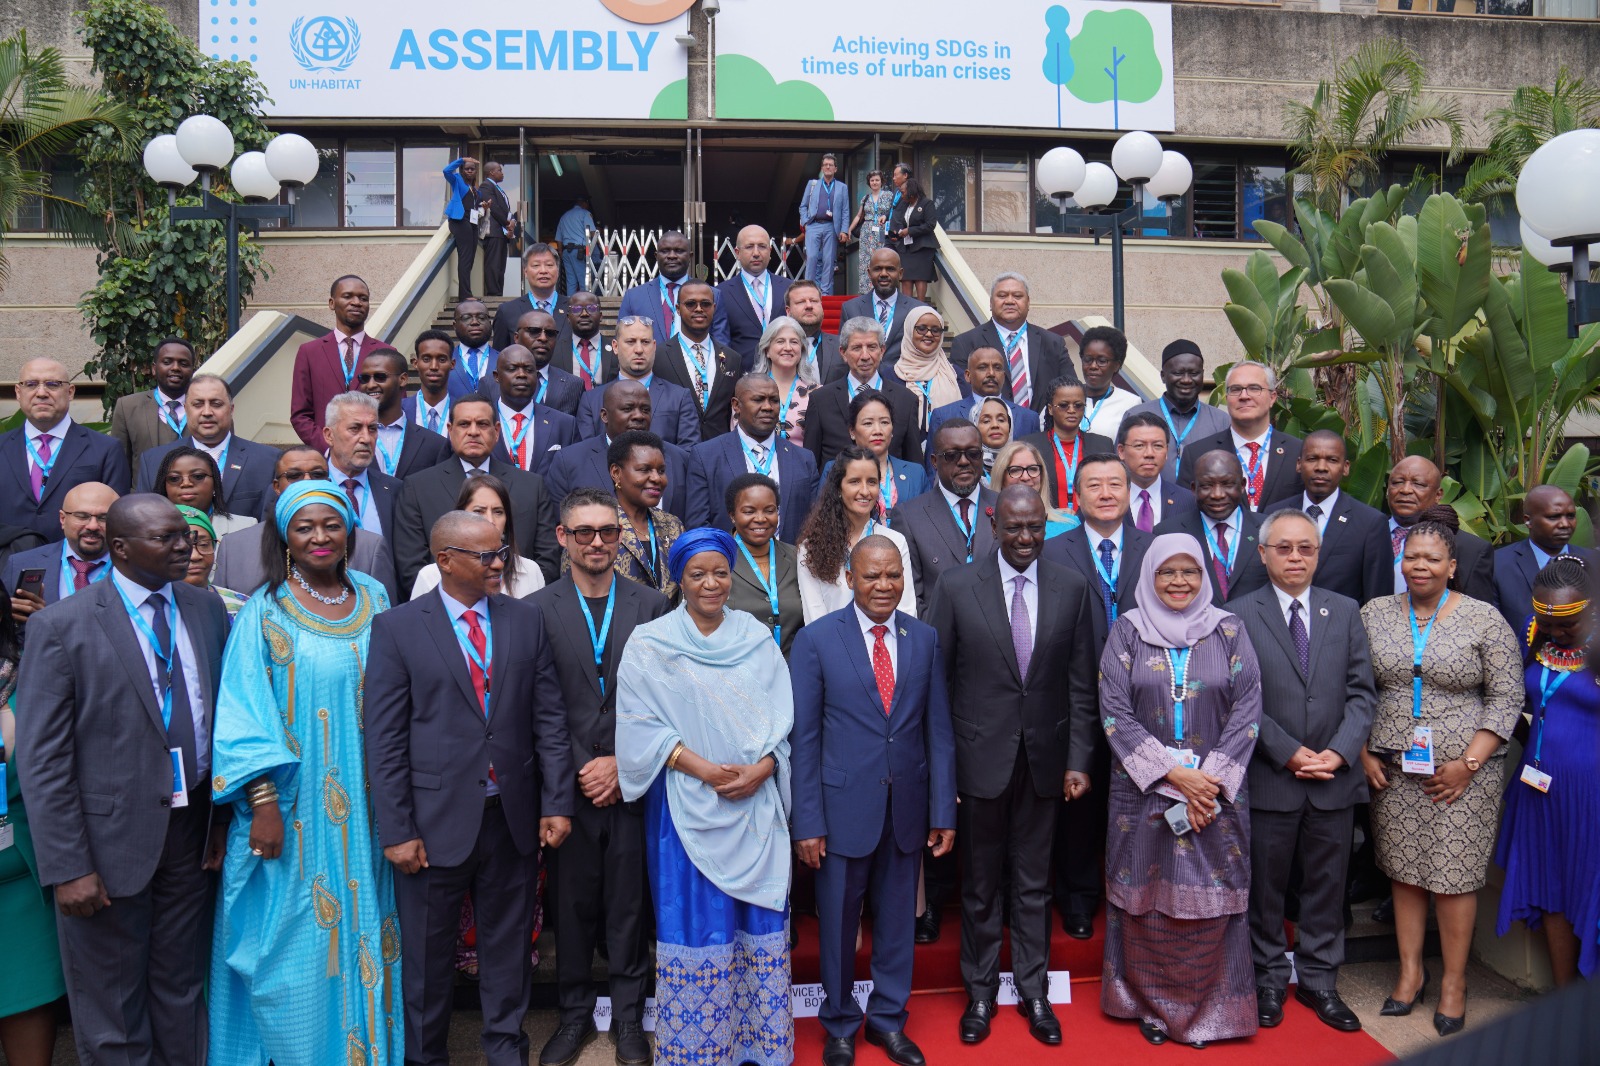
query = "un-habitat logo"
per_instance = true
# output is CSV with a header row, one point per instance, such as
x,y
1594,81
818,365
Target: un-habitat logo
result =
x,y
324,42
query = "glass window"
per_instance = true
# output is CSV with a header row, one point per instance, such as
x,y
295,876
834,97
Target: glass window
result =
x,y
1005,192
317,205
952,184
369,183
1264,192
422,178
1214,200
64,177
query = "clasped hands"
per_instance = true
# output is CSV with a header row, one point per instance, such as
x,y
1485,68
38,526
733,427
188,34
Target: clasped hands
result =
x,y
1311,765
1200,791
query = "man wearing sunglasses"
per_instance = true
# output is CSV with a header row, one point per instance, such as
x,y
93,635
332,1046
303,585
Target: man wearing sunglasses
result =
x,y
402,448
246,466
1269,456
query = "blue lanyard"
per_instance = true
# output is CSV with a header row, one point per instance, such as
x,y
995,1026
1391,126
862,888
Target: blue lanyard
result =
x,y
390,459
1237,522
1110,578
482,662
926,388
1178,663
44,467
650,525
765,468
888,491
962,526
577,357
544,386
667,301
1419,643
515,439
1069,470
854,386
472,364
1172,427
760,306
1547,689
161,409
163,656
707,374
222,461
1091,408
827,190
788,401
770,583
103,563
444,414
597,641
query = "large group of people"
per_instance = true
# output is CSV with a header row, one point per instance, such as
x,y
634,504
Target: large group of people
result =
x,y
721,601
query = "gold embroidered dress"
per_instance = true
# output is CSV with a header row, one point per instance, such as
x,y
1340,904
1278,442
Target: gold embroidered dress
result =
x,y
305,968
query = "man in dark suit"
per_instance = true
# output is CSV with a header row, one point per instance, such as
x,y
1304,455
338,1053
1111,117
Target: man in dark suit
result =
x,y
827,421
947,526
80,560
1183,372
1354,558
754,447
885,304
1268,456
474,355
434,357
541,269
803,303
1018,639
657,301
1034,357
246,466
470,769
325,367
474,431
1106,551
1317,702
531,434
600,877
50,454
556,388
493,200
673,417
115,755
1226,529
145,420
1551,516
692,361
580,350
403,448
1143,444
749,300
624,405
352,431
1064,444
985,377
1414,486
870,698
239,564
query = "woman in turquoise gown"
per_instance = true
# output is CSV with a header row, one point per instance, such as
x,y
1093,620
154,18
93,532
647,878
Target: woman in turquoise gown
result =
x,y
305,970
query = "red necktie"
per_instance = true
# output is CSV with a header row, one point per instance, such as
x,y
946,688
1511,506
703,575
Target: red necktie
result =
x,y
668,313
480,681
521,441
583,364
80,572
883,667
351,487
1258,474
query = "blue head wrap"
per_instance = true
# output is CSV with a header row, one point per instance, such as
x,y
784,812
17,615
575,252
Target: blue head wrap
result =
x,y
304,494
694,541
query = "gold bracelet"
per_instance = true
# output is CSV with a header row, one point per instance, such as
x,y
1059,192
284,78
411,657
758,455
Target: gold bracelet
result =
x,y
263,799
672,760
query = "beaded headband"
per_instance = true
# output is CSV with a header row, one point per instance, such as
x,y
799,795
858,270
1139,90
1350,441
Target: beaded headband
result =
x,y
1565,610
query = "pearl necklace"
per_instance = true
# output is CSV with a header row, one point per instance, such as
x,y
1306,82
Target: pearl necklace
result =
x,y
1178,685
314,594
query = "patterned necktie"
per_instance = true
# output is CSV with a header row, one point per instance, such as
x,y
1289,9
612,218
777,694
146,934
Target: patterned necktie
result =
x,y
966,515
1107,561
46,445
1302,639
883,667
585,349
480,682
1316,514
1397,539
433,419
474,367
174,409
1017,359
1021,632
1219,562
352,489
349,359
1258,474
1147,516
699,375
180,728
883,313
80,572
669,314
522,442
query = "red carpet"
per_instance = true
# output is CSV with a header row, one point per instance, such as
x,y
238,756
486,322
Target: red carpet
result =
x,y
1090,1036
830,311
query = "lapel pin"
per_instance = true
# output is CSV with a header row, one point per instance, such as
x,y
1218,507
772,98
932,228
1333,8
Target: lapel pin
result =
x,y
1279,449
1342,518
902,632
1323,612
233,466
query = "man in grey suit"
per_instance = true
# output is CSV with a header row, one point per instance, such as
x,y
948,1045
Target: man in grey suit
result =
x,y
239,564
1305,777
79,561
145,420
114,753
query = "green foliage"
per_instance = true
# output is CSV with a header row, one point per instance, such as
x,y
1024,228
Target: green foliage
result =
x,y
1114,58
172,281
44,117
1534,115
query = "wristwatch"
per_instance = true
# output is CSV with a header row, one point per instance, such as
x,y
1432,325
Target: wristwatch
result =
x,y
1472,764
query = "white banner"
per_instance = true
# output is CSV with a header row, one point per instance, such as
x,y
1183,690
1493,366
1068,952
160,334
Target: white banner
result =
x,y
1063,64
421,59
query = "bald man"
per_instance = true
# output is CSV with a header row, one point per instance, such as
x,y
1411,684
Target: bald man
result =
x,y
1551,517
751,298
80,560
1413,487
50,454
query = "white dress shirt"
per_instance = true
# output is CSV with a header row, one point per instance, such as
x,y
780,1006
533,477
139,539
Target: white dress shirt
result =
x,y
508,422
954,503
1022,348
1243,452
368,518
219,455
1107,412
66,583
1399,557
890,641
1304,599
443,407
482,466
1030,591
1135,500
753,447
456,609
137,594
1326,507
57,431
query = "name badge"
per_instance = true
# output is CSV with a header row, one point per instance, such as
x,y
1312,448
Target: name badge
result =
x,y
1185,757
1418,759
1536,778
472,216
7,834
180,787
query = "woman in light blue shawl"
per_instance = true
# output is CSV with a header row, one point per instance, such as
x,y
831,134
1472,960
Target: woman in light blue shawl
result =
x,y
703,718
305,969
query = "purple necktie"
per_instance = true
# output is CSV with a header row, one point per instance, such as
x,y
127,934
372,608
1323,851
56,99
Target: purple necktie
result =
x,y
36,474
1147,517
1219,562
1021,632
80,572
1302,639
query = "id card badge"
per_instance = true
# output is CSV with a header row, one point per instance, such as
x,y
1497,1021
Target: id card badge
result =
x,y
1418,759
472,216
1536,778
180,787
1185,757
7,833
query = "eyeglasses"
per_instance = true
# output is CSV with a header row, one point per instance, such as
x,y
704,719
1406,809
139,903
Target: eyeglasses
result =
x,y
928,331
1030,472
1069,405
1179,575
503,553
197,478
85,517
1251,389
955,455
205,546
1284,549
32,385
380,376
586,534
540,331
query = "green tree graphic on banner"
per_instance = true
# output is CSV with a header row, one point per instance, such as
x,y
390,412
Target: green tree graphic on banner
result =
x,y
1115,57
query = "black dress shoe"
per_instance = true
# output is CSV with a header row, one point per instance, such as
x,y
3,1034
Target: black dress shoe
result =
x,y
568,1041
1078,926
1269,1007
1042,1022
898,1046
1198,1045
1393,1008
1448,1026
633,1047
927,926
839,1051
1152,1032
1383,913
975,1020
1329,1007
